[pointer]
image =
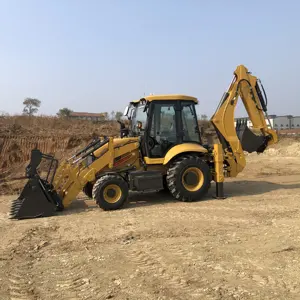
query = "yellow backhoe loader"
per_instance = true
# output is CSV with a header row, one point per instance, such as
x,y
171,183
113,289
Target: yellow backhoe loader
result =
x,y
161,149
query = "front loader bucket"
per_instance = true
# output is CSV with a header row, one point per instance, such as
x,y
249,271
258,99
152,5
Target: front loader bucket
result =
x,y
36,200
250,141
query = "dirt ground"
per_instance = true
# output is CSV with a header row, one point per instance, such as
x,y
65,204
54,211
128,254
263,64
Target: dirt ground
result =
x,y
244,247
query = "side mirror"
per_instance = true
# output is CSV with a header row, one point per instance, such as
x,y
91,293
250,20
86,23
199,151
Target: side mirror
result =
x,y
126,111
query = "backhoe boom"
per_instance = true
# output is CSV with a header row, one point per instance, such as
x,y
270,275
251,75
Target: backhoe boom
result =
x,y
236,140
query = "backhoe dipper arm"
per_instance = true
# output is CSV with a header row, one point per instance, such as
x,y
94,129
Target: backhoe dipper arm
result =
x,y
237,139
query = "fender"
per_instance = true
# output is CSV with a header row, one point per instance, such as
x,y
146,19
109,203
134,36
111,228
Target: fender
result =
x,y
186,147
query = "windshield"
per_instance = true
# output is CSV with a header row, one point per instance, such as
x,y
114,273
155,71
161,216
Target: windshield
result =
x,y
139,115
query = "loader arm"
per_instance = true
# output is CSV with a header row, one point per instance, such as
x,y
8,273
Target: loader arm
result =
x,y
236,140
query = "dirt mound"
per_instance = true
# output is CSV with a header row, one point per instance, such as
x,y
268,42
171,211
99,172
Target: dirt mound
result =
x,y
54,126
286,147
15,154
290,150
52,135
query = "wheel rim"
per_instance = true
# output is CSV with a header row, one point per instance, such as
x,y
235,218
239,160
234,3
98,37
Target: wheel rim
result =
x,y
112,193
192,179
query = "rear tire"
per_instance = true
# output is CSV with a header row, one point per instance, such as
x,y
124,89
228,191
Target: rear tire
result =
x,y
188,178
110,192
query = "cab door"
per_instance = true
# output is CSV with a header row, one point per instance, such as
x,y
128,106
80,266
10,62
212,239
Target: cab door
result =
x,y
163,130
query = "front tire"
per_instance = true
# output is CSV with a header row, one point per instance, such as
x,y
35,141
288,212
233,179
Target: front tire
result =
x,y
188,178
110,192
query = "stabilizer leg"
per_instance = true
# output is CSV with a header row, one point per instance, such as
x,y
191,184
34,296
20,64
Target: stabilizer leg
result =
x,y
220,190
219,171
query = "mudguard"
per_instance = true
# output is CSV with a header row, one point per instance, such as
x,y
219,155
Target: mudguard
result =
x,y
186,147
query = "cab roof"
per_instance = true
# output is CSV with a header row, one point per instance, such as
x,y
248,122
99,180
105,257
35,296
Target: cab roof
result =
x,y
167,97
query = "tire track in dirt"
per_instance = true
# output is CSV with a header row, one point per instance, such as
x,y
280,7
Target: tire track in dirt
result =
x,y
72,279
72,273
204,263
21,282
152,261
184,267
159,264
22,279
30,277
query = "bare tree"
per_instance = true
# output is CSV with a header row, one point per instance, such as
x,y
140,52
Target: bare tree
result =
x,y
31,106
113,114
203,117
105,116
118,115
64,112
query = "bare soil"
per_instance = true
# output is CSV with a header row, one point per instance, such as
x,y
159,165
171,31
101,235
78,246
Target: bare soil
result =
x,y
244,247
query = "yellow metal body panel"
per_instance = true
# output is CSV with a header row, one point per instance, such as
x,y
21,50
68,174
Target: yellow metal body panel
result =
x,y
223,119
167,97
153,161
182,148
178,149
70,180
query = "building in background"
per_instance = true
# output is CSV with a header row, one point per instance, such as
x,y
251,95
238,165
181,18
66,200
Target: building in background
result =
x,y
283,122
88,116
272,119
296,122
279,122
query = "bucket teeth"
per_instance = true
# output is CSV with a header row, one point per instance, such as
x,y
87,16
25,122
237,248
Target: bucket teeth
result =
x,y
16,205
16,202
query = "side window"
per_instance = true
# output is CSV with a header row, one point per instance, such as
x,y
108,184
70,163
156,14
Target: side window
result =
x,y
163,129
163,121
167,125
190,125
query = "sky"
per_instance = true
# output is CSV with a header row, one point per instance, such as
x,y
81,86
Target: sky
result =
x,y
97,55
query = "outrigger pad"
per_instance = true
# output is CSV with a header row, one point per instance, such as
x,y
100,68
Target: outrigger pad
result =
x,y
250,142
34,201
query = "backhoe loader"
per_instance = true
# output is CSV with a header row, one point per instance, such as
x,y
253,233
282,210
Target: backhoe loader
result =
x,y
161,148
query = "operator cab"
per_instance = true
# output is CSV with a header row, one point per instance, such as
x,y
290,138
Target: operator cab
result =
x,y
163,121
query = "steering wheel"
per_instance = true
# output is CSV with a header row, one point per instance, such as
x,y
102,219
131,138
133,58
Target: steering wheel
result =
x,y
151,142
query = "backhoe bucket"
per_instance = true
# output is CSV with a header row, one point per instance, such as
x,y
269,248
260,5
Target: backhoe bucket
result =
x,y
250,141
38,198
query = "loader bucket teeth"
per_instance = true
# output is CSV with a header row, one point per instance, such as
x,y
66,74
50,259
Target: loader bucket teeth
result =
x,y
250,141
36,200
